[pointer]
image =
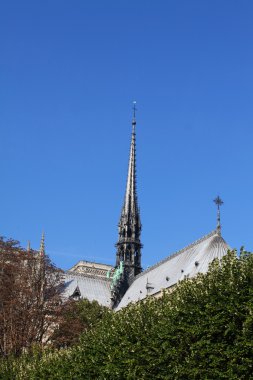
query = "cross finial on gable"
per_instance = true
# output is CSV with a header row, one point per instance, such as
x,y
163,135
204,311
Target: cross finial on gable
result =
x,y
219,202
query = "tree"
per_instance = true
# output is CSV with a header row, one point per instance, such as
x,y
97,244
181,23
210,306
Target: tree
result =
x,y
75,318
30,289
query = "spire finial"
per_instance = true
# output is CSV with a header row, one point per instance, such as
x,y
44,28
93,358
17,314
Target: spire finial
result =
x,y
134,113
219,202
42,244
28,246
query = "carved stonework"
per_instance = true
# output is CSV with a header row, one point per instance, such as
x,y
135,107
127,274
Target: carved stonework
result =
x,y
88,268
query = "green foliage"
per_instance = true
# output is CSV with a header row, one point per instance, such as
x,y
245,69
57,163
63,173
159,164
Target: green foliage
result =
x,y
202,330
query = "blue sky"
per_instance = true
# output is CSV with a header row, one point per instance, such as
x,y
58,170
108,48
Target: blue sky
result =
x,y
69,71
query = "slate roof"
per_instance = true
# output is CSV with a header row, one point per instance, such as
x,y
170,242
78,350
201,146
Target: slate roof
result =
x,y
185,263
90,287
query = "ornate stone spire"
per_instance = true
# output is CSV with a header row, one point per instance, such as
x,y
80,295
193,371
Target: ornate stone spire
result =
x,y
129,244
42,245
219,202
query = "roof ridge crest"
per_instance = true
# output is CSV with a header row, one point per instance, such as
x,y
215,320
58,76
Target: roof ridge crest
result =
x,y
167,258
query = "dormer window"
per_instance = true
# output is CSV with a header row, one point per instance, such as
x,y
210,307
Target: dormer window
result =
x,y
76,294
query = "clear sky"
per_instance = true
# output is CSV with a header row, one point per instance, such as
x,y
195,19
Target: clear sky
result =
x,y
69,71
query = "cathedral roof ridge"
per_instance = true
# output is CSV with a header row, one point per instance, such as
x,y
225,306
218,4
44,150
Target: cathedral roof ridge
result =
x,y
177,253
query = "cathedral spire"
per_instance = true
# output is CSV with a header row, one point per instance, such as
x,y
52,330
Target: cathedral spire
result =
x,y
129,244
42,245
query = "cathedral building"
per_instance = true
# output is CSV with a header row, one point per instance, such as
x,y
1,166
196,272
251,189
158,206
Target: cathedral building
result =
x,y
116,287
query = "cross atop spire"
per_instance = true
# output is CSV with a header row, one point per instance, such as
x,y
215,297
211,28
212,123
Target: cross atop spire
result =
x,y
219,202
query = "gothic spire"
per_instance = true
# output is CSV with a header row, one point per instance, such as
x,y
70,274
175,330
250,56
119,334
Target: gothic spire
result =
x,y
129,244
28,246
42,245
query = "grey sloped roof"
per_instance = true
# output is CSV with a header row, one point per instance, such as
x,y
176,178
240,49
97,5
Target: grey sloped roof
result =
x,y
90,287
187,262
